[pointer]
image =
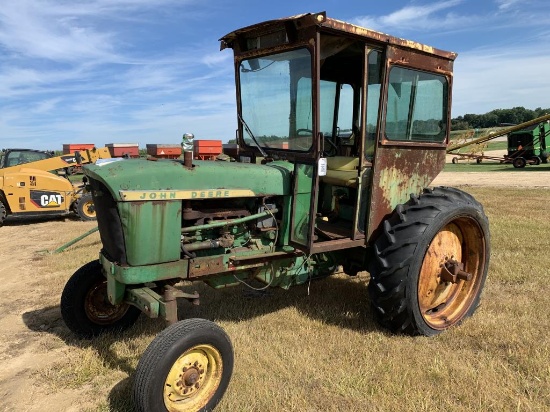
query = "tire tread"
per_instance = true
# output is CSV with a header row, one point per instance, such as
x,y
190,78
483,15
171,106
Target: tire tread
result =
x,y
395,248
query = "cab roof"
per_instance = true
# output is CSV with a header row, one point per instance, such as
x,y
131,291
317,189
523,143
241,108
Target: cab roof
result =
x,y
333,25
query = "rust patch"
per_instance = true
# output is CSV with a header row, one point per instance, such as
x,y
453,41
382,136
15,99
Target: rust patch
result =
x,y
206,266
400,172
319,19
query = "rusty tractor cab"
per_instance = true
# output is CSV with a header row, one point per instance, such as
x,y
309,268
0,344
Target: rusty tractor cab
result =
x,y
348,128
313,88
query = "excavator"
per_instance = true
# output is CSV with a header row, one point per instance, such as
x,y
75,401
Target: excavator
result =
x,y
35,183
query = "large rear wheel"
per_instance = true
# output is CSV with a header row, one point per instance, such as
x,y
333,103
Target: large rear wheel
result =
x,y
431,262
187,367
85,306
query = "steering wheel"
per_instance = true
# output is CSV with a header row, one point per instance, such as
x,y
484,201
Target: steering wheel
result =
x,y
332,150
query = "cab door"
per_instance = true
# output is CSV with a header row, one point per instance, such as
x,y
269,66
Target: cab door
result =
x,y
413,130
304,136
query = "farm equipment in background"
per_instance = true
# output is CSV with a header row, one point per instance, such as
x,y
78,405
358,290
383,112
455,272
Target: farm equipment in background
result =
x,y
473,151
123,149
14,157
31,189
527,144
352,126
164,151
69,148
207,149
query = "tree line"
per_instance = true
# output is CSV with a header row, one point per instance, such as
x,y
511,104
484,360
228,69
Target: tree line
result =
x,y
497,117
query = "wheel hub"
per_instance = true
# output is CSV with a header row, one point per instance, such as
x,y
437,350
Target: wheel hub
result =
x,y
193,379
99,309
190,379
453,271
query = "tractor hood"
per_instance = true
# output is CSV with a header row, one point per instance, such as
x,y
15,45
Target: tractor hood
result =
x,y
140,179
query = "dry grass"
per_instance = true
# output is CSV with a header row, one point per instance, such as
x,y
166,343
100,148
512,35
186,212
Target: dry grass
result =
x,y
323,351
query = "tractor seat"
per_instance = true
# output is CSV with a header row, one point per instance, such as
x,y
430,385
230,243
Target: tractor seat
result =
x,y
342,171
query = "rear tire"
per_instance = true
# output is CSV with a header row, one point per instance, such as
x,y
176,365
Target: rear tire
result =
x,y
187,367
85,207
409,290
536,160
86,309
519,162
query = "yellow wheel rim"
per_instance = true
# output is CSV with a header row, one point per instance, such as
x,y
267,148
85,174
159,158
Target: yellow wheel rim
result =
x,y
443,302
88,209
193,379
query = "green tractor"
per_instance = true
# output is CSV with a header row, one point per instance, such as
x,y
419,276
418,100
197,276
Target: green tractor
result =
x,y
341,130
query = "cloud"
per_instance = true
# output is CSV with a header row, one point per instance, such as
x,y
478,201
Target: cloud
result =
x,y
452,16
508,4
487,79
33,30
91,71
217,59
417,17
72,31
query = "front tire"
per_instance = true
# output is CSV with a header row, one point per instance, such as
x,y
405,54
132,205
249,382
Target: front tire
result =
x,y
85,306
431,262
187,367
3,212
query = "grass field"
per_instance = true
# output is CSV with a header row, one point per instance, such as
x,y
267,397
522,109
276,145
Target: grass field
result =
x,y
500,145
319,349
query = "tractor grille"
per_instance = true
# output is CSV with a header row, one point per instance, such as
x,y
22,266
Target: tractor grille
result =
x,y
108,222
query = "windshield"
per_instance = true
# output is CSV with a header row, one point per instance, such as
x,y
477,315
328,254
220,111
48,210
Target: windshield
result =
x,y
17,157
276,100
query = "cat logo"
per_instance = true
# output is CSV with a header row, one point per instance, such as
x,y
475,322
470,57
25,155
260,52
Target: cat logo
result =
x,y
45,199
50,200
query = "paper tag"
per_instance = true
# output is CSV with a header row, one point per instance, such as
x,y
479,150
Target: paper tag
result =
x,y
322,170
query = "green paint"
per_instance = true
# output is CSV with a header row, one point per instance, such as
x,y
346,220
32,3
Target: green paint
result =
x,y
135,275
151,231
163,175
146,300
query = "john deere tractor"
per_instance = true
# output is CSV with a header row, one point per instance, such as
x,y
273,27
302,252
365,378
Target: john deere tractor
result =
x,y
341,130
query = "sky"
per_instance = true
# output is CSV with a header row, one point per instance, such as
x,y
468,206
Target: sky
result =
x,y
147,71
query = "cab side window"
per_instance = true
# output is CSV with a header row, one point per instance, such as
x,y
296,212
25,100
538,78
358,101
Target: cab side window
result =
x,y
417,106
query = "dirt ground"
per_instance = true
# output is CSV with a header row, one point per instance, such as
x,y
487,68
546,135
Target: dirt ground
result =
x,y
29,314
29,310
492,179
530,177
